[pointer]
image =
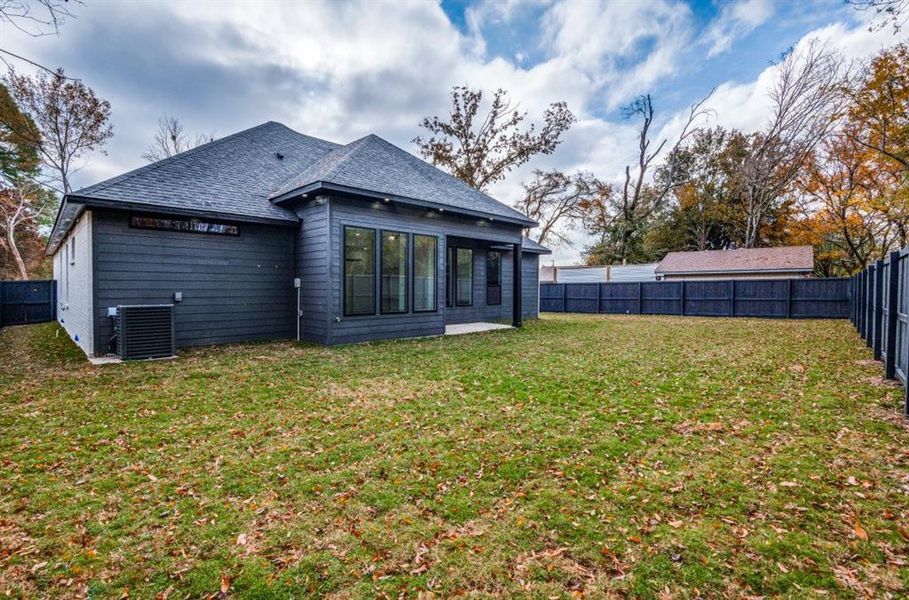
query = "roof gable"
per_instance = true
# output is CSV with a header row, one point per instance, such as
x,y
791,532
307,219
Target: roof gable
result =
x,y
783,258
376,165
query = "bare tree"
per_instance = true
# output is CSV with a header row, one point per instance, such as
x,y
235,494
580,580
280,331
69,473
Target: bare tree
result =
x,y
69,121
171,139
805,103
482,150
641,194
555,199
36,18
22,206
890,12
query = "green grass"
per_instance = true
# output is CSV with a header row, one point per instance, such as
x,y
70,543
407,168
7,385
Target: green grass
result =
x,y
581,456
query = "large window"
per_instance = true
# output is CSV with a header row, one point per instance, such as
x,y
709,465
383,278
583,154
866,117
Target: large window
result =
x,y
425,273
394,272
359,271
494,277
463,276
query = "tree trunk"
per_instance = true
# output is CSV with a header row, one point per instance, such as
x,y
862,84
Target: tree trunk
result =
x,y
14,250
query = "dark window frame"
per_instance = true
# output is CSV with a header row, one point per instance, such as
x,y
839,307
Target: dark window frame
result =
x,y
375,254
454,272
407,270
435,273
157,223
498,284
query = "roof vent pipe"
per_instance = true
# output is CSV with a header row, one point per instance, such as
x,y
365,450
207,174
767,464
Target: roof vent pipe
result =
x,y
279,155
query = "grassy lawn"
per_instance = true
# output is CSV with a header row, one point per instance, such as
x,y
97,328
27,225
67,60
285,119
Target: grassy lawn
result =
x,y
581,456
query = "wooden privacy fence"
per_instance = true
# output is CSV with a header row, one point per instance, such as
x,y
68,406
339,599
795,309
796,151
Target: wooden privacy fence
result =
x,y
826,298
880,313
23,302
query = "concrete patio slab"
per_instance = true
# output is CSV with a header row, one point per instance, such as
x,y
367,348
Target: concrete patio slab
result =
x,y
462,328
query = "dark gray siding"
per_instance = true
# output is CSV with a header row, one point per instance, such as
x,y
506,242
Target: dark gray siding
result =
x,y
380,216
530,286
235,288
312,269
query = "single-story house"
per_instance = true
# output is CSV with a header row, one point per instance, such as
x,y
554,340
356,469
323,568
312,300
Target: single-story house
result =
x,y
598,273
784,262
272,234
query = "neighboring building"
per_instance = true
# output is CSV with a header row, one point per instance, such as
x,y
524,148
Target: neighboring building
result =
x,y
783,262
597,274
382,245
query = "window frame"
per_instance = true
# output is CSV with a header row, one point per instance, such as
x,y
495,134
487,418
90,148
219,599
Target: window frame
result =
x,y
165,223
499,283
435,273
456,302
407,291
375,255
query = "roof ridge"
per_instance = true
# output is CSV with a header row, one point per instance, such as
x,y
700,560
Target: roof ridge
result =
x,y
181,155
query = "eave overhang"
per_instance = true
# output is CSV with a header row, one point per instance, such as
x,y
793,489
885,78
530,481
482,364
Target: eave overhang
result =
x,y
326,186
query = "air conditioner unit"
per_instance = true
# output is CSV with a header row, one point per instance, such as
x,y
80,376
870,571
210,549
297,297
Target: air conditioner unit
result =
x,y
145,331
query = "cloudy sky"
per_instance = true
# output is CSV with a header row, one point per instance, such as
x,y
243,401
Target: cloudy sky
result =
x,y
341,70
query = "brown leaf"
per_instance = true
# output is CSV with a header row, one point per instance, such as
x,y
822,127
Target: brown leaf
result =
x,y
860,531
225,584
634,539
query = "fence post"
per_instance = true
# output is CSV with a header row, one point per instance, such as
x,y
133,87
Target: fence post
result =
x,y
682,309
788,298
599,296
869,309
878,307
732,298
862,303
564,298
640,298
893,287
855,300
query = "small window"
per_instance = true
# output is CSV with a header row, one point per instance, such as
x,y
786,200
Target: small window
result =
x,y
72,250
425,273
184,225
394,272
463,277
494,277
359,271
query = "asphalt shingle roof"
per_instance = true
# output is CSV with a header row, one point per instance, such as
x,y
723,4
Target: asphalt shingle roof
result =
x,y
528,245
782,258
233,175
242,174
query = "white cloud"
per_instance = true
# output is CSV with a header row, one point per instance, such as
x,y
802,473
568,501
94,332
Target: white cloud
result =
x,y
736,20
624,47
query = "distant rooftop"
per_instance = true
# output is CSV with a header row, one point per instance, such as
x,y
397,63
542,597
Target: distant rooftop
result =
x,y
782,258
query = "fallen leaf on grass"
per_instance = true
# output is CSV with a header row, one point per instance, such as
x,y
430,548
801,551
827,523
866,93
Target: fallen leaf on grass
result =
x,y
788,484
903,531
860,531
241,539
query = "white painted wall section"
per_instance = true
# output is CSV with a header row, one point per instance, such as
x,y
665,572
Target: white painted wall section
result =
x,y
73,273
